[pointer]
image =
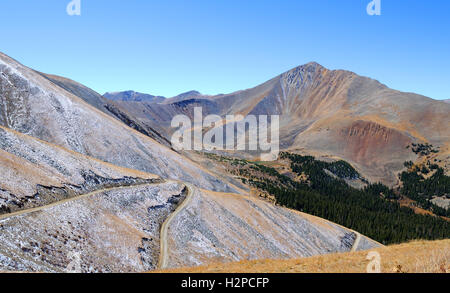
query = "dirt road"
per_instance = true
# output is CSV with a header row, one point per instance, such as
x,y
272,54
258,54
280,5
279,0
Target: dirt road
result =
x,y
163,256
32,210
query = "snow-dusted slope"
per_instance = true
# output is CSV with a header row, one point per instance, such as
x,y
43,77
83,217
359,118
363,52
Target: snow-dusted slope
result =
x,y
218,227
86,94
114,231
34,173
33,105
119,231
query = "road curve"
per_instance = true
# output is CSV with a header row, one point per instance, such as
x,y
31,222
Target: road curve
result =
x,y
36,209
163,256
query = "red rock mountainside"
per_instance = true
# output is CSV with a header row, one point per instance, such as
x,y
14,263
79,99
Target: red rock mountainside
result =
x,y
330,113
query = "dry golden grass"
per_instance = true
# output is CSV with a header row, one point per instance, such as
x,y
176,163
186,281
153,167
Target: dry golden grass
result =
x,y
413,257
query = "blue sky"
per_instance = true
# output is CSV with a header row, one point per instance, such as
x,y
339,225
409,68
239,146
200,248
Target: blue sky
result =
x,y
166,47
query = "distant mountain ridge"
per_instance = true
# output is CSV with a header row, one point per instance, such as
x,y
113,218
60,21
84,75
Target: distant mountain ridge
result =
x,y
132,96
330,114
184,96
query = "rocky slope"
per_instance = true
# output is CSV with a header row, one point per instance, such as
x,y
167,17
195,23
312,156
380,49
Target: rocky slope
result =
x,y
117,229
35,173
76,181
329,113
108,106
79,90
31,104
185,96
415,257
219,227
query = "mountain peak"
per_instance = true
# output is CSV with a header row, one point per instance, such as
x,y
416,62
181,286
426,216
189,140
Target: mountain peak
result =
x,y
313,64
308,67
189,94
132,96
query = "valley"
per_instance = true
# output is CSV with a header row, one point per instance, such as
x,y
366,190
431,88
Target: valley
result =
x,y
97,177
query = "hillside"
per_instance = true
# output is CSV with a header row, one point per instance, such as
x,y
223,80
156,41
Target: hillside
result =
x,y
79,179
219,227
118,229
335,191
85,174
35,173
132,96
330,114
413,257
115,230
33,105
